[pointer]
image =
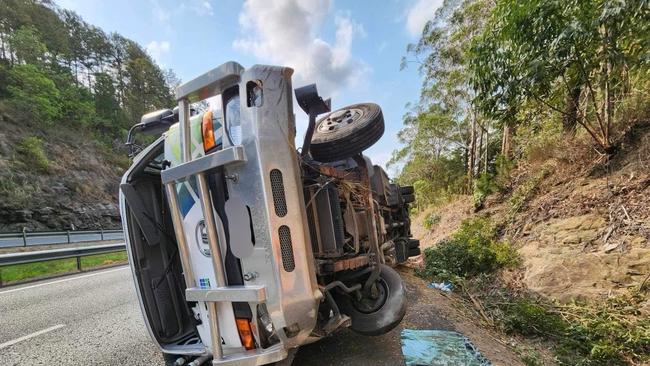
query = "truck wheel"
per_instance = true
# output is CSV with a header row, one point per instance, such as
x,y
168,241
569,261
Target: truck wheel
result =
x,y
170,360
347,132
380,315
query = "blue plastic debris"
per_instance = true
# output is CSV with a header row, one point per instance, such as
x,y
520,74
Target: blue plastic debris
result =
x,y
439,348
442,286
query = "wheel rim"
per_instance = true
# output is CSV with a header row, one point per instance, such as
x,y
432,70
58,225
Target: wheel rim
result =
x,y
369,305
339,119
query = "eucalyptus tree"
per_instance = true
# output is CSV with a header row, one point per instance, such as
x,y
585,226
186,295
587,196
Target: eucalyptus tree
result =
x,y
574,57
444,124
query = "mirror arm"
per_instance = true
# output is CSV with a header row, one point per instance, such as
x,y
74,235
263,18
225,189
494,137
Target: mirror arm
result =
x,y
130,138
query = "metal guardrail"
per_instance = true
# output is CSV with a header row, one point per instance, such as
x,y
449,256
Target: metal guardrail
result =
x,y
26,238
52,254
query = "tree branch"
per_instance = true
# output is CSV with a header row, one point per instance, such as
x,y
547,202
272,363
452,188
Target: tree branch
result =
x,y
592,95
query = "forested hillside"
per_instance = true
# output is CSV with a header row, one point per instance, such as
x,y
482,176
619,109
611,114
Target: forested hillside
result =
x,y
529,150
68,94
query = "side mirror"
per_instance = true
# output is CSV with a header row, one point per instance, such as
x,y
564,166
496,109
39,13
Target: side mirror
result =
x,y
153,123
313,104
157,122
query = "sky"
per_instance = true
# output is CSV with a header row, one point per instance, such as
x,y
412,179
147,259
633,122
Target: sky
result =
x,y
351,49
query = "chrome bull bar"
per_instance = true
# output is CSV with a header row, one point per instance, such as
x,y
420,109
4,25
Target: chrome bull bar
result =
x,y
208,85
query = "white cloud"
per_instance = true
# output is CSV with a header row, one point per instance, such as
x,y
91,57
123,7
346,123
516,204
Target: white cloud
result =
x,y
198,7
158,49
283,32
419,14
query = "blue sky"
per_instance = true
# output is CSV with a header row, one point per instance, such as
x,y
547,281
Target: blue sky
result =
x,y
352,50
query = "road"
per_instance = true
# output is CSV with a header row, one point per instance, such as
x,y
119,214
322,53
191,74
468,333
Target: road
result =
x,y
56,239
88,319
94,319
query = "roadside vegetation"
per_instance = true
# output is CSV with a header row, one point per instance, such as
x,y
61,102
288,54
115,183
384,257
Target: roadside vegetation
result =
x,y
57,71
506,79
30,271
524,103
613,332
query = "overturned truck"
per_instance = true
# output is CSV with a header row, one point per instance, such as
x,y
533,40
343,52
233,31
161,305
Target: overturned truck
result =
x,y
243,246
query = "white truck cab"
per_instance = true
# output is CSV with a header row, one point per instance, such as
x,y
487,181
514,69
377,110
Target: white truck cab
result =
x,y
242,247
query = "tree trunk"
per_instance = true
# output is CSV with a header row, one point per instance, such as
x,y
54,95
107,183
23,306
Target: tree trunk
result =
x,y
2,46
485,157
471,161
479,151
572,103
505,141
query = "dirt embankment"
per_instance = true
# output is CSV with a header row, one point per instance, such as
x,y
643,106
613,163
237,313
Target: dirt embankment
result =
x,y
56,178
582,230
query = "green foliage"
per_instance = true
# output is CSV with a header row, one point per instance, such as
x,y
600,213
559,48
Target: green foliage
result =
x,y
61,70
435,132
472,250
484,186
77,106
489,183
550,51
431,220
612,332
30,151
31,91
26,43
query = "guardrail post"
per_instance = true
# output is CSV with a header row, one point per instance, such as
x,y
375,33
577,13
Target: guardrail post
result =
x,y
101,232
68,233
24,236
79,264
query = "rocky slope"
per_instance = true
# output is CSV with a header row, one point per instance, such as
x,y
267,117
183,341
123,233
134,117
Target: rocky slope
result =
x,y
55,177
580,224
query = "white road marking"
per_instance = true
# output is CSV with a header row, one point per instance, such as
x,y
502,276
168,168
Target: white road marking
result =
x,y
63,280
32,335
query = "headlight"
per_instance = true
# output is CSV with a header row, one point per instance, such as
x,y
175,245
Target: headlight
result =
x,y
233,120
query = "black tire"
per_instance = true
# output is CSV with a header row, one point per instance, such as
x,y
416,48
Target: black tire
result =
x,y
170,360
346,132
409,198
406,190
386,317
414,252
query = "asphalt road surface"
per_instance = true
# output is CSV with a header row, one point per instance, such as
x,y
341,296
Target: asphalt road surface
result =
x,y
87,319
94,319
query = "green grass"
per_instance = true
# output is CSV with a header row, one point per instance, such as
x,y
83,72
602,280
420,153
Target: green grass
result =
x,y
32,153
26,271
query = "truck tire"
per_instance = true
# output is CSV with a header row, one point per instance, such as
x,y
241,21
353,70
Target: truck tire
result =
x,y
391,307
170,360
347,132
406,190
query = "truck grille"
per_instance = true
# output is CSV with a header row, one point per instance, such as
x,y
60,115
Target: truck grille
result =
x,y
277,189
286,248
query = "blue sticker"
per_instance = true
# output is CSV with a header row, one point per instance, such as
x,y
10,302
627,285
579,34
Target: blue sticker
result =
x,y
204,283
185,200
